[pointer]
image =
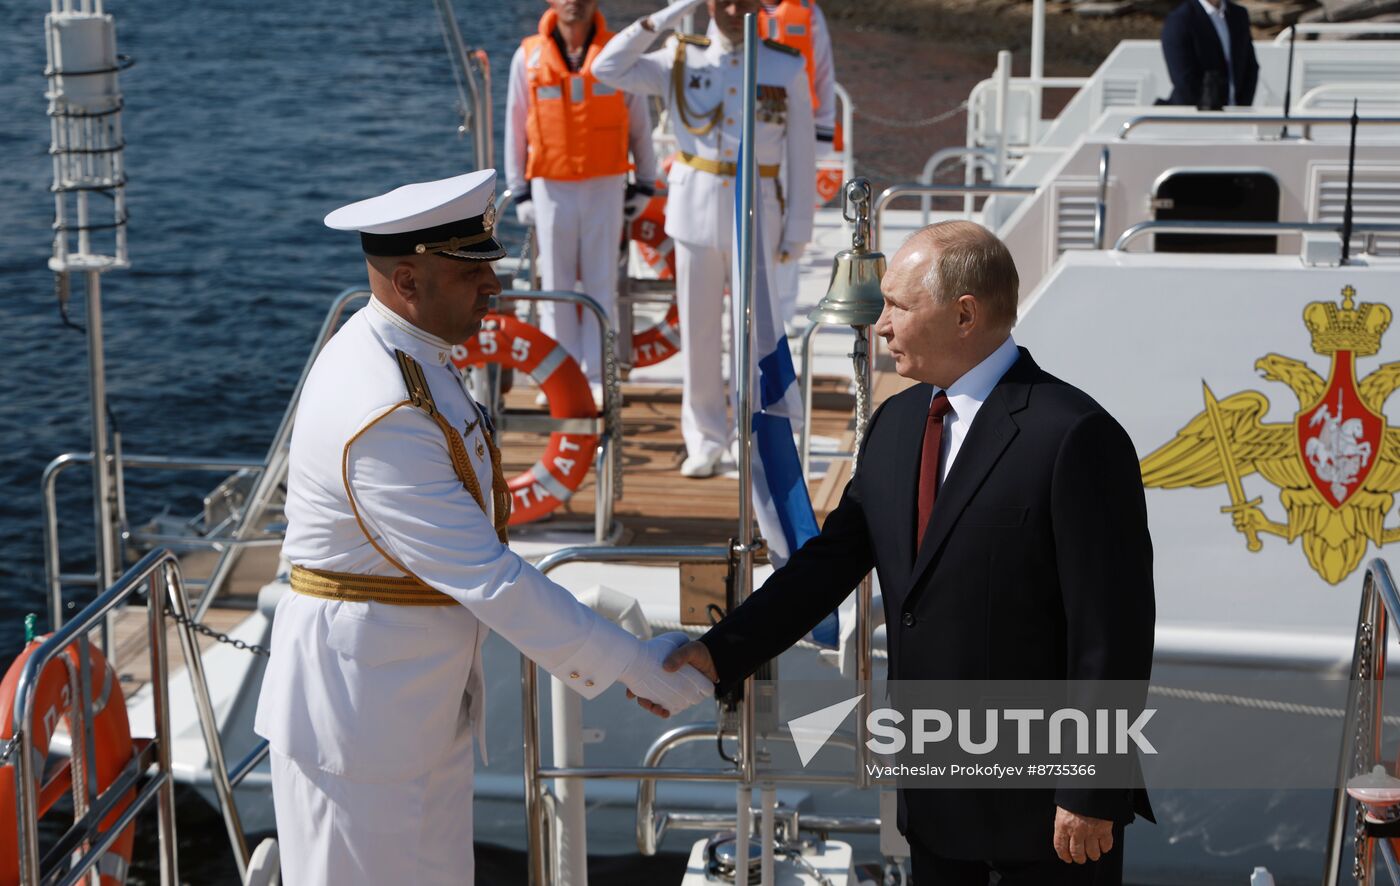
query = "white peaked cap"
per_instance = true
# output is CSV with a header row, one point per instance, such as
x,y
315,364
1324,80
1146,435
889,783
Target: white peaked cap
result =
x,y
453,216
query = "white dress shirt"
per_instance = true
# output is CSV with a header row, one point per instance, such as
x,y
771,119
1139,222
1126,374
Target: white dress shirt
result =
x,y
966,396
1222,30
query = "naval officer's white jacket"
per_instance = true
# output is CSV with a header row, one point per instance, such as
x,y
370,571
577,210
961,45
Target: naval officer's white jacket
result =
x,y
700,205
376,692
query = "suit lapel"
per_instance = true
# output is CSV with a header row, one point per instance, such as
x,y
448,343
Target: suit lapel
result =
x,y
1210,39
992,432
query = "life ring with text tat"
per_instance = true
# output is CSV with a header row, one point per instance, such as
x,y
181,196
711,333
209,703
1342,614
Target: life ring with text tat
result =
x,y
112,747
651,346
553,479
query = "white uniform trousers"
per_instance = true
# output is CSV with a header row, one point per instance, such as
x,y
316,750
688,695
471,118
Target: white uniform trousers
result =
x,y
701,273
786,274
578,225
334,830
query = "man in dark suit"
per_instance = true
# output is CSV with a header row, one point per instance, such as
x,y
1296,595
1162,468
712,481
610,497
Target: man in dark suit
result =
x,y
1210,55
1003,510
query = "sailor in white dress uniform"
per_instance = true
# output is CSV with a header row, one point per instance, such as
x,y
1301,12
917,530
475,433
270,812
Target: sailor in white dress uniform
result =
x,y
701,80
396,516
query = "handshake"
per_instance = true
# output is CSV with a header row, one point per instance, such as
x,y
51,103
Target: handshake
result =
x,y
670,673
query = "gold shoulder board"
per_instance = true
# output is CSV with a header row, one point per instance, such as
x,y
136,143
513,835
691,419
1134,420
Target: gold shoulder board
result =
x,y
413,379
693,39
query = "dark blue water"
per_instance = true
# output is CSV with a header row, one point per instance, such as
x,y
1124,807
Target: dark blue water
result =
x,y
245,124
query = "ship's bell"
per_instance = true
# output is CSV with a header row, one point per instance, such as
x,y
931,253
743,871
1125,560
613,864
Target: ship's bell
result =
x,y
853,296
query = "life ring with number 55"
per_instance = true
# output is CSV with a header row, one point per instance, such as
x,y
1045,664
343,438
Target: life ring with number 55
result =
x,y
553,479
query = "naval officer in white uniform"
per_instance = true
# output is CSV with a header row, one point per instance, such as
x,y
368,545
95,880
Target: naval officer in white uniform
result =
x,y
701,80
396,532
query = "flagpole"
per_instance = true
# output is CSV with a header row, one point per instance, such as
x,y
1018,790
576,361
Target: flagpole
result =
x,y
743,413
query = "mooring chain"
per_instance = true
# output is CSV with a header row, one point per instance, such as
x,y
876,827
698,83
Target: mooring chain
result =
x,y
912,124
218,636
9,749
1360,750
613,408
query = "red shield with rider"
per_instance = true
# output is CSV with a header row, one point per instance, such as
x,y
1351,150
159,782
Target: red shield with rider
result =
x,y
1339,437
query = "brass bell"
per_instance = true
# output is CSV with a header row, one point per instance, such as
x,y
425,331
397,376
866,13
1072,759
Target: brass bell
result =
x,y
853,296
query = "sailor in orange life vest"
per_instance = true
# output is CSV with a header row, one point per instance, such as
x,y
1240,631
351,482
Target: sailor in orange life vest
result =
x,y
396,536
567,139
801,25
701,79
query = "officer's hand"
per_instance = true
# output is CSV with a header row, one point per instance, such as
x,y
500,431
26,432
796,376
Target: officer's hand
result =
x,y
1079,838
525,212
664,692
791,251
670,15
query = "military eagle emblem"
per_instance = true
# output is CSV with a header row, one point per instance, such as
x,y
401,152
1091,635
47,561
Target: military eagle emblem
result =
x,y
1337,464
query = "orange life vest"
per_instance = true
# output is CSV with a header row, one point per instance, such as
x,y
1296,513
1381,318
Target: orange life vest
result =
x,y
791,25
577,126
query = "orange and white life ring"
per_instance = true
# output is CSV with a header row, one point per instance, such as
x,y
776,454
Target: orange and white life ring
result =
x,y
553,479
829,178
648,229
651,346
112,746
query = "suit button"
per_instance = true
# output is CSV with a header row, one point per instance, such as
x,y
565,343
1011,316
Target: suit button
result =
x,y
588,683
573,675
908,619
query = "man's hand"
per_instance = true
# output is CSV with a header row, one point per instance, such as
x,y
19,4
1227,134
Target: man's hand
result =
x,y
525,211
1079,838
695,654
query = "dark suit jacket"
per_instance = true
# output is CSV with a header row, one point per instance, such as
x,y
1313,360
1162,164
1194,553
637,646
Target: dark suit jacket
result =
x,y
1036,565
1196,61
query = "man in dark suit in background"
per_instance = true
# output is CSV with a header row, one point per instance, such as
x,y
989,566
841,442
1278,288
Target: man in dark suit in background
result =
x,y
1210,55
1003,510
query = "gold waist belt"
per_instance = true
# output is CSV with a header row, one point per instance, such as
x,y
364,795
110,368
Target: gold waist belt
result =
x,y
389,589
723,167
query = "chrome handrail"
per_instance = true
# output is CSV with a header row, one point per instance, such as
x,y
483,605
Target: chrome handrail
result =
x,y
1361,736
1101,204
651,829
148,573
1215,119
916,189
1233,227
609,462
54,579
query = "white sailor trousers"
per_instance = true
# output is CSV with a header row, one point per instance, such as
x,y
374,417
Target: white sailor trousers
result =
x,y
578,225
335,831
701,274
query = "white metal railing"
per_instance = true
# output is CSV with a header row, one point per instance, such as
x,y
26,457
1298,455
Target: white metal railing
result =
x,y
1340,29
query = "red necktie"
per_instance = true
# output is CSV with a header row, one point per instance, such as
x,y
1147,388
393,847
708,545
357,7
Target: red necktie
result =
x,y
930,460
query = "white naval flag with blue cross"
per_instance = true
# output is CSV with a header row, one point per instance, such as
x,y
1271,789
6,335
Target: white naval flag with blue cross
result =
x,y
780,499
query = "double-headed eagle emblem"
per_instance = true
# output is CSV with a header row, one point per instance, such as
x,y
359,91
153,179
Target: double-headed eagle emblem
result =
x,y
1337,464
